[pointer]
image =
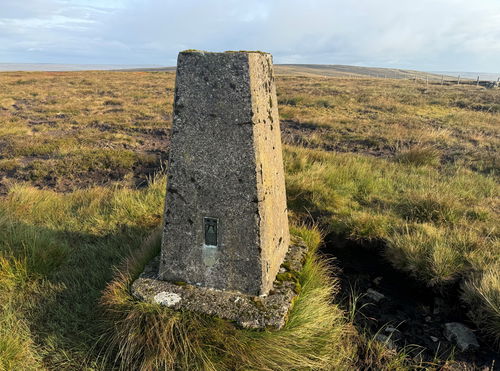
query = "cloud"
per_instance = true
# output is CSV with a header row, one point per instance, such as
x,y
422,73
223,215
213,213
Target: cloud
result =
x,y
424,34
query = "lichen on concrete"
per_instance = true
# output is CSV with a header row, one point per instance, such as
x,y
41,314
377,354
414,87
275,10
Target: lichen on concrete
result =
x,y
225,170
168,299
247,311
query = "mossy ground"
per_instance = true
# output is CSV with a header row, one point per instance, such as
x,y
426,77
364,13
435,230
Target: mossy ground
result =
x,y
389,160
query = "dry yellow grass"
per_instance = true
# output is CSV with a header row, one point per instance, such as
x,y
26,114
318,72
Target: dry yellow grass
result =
x,y
378,159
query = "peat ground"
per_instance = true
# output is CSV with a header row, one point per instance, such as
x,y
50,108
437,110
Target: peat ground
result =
x,y
410,315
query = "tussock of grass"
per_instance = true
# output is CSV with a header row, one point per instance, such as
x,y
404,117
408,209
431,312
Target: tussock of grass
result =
x,y
7,165
482,293
419,156
147,336
428,253
430,206
56,256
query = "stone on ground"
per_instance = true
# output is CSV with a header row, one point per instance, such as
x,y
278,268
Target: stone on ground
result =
x,y
461,335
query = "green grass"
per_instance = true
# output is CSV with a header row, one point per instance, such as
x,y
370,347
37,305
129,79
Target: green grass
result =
x,y
57,252
148,336
439,226
419,156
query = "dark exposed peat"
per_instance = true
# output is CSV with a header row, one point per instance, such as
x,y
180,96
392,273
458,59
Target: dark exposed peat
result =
x,y
409,315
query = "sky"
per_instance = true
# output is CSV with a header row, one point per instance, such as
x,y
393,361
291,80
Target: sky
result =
x,y
429,35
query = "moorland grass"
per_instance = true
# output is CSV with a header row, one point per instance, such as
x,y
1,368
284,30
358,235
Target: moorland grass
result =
x,y
147,336
58,117
84,128
439,226
66,263
396,119
391,160
57,252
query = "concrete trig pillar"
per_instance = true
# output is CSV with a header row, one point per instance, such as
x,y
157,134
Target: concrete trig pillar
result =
x,y
226,223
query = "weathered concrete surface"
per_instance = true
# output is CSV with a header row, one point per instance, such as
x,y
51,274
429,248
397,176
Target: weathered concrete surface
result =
x,y
247,311
225,164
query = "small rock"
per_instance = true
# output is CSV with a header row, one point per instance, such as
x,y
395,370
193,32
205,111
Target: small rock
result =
x,y
168,299
282,270
394,333
386,340
391,329
434,339
377,280
461,335
375,295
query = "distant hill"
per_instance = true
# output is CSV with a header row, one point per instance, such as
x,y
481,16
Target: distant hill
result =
x,y
335,70
339,70
331,70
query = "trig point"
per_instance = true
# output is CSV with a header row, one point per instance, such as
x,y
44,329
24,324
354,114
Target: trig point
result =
x,y
226,223
226,235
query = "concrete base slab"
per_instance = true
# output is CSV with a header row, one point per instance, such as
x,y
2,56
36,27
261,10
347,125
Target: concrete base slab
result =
x,y
253,312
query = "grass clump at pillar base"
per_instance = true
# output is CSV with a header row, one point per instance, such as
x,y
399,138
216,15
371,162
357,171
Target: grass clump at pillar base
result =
x,y
143,336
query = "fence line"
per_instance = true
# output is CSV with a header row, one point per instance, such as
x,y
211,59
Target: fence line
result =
x,y
427,79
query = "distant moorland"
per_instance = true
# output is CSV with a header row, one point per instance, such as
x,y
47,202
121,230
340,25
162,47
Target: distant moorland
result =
x,y
284,69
